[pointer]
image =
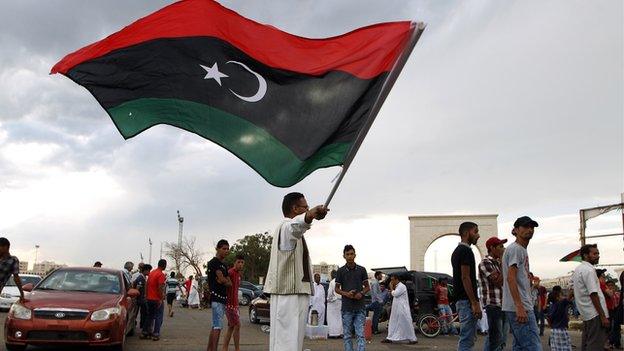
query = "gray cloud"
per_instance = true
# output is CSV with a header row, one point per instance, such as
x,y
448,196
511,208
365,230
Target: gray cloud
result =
x,y
504,107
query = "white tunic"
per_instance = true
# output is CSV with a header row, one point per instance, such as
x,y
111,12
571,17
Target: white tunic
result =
x,y
334,307
400,327
193,296
289,312
317,303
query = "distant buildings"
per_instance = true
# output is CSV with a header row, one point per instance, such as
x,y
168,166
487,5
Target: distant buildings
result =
x,y
562,281
324,269
43,268
23,266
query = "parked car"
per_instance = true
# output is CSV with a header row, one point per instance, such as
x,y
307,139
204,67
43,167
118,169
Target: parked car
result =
x,y
10,294
421,291
249,286
79,306
260,307
245,296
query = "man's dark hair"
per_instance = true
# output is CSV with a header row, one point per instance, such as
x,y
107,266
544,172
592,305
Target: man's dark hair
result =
x,y
172,275
378,275
190,277
222,243
289,201
586,249
333,274
146,267
348,248
162,263
465,227
240,257
4,242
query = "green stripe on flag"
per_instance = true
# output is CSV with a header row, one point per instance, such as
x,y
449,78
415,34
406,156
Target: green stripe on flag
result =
x,y
260,150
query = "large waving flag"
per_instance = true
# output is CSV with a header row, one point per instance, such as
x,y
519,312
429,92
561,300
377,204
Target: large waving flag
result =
x,y
284,104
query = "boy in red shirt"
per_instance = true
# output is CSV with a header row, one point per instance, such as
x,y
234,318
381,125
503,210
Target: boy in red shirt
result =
x,y
231,306
155,291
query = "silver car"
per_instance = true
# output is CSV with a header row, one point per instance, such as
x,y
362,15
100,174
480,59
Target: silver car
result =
x,y
10,293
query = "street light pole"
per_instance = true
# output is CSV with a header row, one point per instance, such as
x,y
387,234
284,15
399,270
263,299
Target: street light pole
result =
x,y
150,250
36,253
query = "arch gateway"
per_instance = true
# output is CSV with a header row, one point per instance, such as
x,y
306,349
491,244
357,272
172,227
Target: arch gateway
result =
x,y
424,230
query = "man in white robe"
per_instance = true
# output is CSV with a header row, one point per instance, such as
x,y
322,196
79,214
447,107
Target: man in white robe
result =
x,y
334,307
317,301
290,289
400,326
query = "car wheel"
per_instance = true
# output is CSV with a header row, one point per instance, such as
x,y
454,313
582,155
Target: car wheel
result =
x,y
245,300
11,347
253,316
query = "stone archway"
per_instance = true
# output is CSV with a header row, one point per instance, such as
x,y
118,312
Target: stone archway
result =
x,y
424,230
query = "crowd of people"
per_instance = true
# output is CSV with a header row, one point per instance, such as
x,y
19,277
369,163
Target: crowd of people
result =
x,y
512,299
506,297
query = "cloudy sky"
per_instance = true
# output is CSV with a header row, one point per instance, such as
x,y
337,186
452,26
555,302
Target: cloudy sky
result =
x,y
507,107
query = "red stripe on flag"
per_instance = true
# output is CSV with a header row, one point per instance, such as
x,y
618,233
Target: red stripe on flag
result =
x,y
365,52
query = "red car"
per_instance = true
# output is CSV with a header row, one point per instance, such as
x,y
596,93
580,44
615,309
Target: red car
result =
x,y
82,306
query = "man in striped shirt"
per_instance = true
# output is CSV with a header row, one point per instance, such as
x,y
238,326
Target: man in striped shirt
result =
x,y
491,278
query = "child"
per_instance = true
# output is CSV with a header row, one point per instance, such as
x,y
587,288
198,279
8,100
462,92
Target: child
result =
x,y
558,319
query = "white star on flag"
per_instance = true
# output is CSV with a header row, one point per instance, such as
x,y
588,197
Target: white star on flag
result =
x,y
213,73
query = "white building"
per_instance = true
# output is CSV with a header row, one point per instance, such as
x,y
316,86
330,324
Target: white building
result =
x,y
42,268
324,269
23,266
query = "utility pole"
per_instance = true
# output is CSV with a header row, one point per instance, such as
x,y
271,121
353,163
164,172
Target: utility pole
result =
x,y
36,253
180,233
161,256
150,250
180,225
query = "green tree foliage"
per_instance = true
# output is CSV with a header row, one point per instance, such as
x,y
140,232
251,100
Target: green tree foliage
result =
x,y
257,251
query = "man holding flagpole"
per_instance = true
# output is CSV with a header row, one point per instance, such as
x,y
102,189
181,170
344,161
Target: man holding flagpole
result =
x,y
289,276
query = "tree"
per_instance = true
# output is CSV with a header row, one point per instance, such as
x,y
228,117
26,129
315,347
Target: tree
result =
x,y
256,249
186,255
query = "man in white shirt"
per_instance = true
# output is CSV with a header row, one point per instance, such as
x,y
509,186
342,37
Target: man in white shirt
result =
x,y
317,301
289,274
590,301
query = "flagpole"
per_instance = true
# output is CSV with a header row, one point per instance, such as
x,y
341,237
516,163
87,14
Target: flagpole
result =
x,y
416,31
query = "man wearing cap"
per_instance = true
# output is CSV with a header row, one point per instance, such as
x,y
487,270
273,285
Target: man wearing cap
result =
x,y
491,279
590,300
517,302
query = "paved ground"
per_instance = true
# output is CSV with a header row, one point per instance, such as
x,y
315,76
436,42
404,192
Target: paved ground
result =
x,y
188,331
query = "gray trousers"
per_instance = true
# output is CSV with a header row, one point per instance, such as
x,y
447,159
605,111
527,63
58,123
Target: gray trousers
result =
x,y
594,335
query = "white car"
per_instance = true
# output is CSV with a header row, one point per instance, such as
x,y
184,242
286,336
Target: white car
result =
x,y
10,293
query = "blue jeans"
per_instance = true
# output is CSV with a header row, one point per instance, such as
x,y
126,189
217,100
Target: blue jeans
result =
x,y
154,317
494,340
353,320
468,325
218,313
526,335
446,317
376,308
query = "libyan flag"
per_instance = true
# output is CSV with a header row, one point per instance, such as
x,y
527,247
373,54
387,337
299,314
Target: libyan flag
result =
x,y
284,104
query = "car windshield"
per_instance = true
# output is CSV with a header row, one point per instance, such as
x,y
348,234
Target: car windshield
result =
x,y
25,280
86,281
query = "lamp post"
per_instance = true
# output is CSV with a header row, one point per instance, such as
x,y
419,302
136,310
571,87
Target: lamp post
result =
x,y
36,253
150,250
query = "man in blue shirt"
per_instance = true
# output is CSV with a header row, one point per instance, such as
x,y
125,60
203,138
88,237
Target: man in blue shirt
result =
x,y
377,301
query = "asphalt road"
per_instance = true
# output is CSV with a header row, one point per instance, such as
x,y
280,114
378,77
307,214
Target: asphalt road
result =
x,y
188,331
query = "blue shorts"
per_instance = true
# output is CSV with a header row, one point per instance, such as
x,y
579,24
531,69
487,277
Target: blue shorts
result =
x,y
218,313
